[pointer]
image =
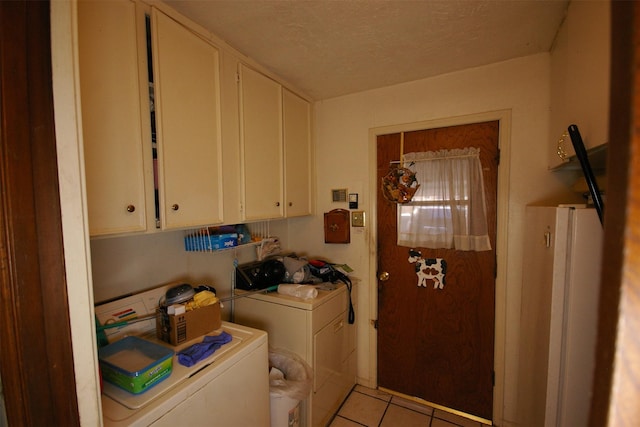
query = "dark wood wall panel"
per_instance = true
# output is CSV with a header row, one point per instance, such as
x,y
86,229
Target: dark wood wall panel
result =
x,y
36,360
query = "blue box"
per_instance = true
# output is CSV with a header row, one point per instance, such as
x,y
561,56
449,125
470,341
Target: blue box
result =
x,y
215,242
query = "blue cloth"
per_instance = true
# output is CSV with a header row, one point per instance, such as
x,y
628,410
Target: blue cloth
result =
x,y
197,352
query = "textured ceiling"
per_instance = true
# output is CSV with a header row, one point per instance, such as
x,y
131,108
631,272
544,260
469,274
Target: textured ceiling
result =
x,y
329,48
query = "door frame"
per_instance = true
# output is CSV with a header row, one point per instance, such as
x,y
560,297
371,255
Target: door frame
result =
x,y
36,363
504,118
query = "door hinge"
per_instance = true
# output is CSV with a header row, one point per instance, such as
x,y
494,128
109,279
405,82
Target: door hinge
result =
x,y
493,378
498,157
374,323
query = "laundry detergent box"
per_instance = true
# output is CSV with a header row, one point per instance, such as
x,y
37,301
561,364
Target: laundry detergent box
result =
x,y
135,364
179,328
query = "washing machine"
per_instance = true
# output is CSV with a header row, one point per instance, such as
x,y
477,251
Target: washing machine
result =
x,y
317,330
229,388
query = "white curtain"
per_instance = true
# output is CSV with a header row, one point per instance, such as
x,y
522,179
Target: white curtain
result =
x,y
448,210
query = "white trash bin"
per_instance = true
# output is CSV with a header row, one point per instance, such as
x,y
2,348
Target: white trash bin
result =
x,y
290,381
285,411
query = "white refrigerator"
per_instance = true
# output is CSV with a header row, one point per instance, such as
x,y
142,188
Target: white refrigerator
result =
x,y
559,315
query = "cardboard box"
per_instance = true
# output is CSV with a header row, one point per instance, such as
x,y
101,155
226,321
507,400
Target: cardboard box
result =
x,y
177,329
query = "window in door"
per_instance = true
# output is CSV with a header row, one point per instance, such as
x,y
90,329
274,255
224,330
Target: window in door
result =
x,y
448,209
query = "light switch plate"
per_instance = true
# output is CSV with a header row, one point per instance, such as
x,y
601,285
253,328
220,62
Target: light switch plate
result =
x,y
357,218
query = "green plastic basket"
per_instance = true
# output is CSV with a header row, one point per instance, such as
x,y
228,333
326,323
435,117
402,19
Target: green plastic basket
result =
x,y
135,364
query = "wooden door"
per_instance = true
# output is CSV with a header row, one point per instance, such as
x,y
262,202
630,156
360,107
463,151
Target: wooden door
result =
x,y
616,388
437,344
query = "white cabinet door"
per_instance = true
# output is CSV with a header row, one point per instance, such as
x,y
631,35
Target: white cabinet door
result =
x,y
297,154
187,94
261,145
117,162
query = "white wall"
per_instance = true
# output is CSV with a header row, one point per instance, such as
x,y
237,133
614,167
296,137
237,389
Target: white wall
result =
x,y
127,264
343,158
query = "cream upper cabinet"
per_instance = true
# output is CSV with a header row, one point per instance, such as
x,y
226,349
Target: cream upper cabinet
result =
x,y
580,78
261,146
115,82
187,105
117,157
190,87
297,154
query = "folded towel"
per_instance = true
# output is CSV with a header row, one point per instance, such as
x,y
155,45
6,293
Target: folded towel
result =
x,y
197,352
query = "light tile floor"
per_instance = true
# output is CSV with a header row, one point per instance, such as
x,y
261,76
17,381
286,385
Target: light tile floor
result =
x,y
373,408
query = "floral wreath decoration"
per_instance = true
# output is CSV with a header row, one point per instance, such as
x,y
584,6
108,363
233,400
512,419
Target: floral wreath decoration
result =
x,y
399,184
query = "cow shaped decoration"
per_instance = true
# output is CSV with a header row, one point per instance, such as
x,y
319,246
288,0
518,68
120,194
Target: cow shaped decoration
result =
x,y
430,268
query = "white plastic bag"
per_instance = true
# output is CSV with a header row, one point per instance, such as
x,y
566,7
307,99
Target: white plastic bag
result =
x,y
296,379
305,292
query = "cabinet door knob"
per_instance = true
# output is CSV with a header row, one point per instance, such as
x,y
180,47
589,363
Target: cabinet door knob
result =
x,y
290,203
277,203
175,207
131,208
